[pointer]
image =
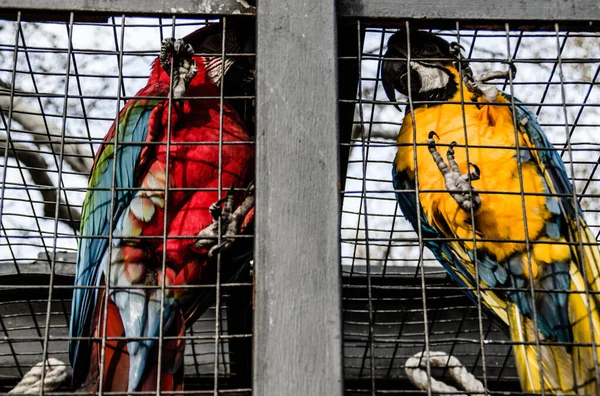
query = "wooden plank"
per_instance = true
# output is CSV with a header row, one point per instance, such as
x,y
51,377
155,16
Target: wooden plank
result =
x,y
180,7
348,74
498,10
297,324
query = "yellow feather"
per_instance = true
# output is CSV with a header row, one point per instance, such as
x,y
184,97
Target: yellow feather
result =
x,y
501,217
586,330
547,252
499,213
557,365
592,261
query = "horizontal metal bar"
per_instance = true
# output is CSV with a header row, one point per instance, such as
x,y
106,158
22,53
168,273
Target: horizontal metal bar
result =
x,y
496,10
188,7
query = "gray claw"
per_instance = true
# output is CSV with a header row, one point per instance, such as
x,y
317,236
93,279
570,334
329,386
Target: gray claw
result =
x,y
165,54
437,158
458,184
478,84
455,49
215,209
230,222
476,174
177,55
494,75
451,147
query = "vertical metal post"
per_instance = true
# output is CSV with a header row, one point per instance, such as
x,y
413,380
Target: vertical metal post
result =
x,y
297,324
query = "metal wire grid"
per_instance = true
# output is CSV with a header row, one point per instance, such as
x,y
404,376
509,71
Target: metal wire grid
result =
x,y
61,83
398,302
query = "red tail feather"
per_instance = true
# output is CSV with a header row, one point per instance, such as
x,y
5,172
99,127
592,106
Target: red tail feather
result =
x,y
116,357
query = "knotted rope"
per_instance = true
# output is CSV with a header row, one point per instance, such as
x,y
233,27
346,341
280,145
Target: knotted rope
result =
x,y
418,376
56,374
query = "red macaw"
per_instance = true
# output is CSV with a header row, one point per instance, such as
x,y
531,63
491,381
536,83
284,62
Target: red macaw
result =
x,y
127,198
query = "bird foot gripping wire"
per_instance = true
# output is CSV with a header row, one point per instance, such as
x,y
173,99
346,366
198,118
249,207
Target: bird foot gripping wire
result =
x,y
478,84
458,184
230,221
177,54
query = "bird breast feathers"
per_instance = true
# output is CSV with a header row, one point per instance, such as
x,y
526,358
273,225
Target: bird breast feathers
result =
x,y
491,141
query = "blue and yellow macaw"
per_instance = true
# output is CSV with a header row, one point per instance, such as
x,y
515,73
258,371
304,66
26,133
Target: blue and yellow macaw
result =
x,y
501,214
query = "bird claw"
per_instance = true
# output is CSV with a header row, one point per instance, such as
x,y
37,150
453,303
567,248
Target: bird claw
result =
x,y
184,68
511,72
458,184
478,84
455,49
476,174
229,220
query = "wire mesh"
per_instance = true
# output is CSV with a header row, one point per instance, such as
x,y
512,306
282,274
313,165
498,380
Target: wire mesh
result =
x,y
398,300
63,84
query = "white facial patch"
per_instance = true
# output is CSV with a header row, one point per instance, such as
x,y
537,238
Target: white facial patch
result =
x,y
431,77
214,68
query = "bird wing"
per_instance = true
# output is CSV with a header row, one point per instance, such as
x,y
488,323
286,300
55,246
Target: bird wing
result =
x,y
451,254
105,200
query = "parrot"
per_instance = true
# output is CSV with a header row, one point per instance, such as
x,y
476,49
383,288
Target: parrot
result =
x,y
500,217
135,238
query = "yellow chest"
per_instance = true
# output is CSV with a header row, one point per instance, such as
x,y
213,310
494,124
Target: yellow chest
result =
x,y
489,133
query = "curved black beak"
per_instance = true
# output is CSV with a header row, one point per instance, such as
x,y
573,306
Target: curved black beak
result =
x,y
391,70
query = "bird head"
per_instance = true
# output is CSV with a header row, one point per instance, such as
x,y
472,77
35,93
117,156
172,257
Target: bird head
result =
x,y
240,70
239,38
430,60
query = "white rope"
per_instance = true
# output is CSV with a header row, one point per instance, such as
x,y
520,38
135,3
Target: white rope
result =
x,y
414,370
56,373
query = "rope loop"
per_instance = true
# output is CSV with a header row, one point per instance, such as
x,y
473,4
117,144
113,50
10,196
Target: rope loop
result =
x,y
56,374
418,376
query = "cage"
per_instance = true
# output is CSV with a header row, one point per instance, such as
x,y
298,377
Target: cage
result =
x,y
399,304
56,122
342,295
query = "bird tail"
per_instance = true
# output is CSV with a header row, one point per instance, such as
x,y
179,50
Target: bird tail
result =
x,y
585,324
556,362
116,357
569,369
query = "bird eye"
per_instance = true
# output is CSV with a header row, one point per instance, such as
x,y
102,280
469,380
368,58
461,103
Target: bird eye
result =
x,y
212,44
431,48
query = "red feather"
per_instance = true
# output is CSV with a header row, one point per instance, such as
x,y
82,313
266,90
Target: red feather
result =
x,y
192,166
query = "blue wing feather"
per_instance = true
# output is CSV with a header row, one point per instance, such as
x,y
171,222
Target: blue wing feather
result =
x,y
96,222
553,319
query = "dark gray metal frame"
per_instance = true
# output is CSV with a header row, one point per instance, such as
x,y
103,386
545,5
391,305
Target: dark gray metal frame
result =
x,y
297,325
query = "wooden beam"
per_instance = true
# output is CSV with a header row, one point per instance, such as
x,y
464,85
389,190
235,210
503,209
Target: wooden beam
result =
x,y
169,7
297,324
497,10
348,47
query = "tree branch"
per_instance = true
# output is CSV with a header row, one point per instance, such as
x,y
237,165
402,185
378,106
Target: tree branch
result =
x,y
35,166
29,115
